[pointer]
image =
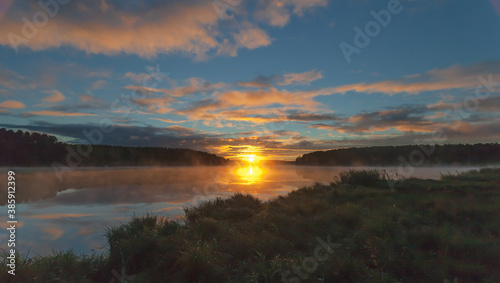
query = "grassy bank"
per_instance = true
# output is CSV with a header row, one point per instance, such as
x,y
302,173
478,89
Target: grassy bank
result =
x,y
353,230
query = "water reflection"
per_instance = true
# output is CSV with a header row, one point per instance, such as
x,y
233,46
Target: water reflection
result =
x,y
250,174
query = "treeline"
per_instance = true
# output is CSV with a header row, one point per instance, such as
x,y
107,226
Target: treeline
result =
x,y
448,154
35,149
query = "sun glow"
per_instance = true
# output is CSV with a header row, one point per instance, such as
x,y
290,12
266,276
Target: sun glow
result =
x,y
250,174
249,170
250,158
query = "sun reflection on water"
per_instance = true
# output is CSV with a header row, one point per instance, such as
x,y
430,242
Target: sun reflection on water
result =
x,y
250,174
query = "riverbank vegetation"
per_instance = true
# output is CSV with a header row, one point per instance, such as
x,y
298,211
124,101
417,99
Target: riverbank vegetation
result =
x,y
356,229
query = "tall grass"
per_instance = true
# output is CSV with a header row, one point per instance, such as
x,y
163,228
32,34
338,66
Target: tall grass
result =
x,y
368,178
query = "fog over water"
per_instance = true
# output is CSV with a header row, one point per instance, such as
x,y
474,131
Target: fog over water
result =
x,y
74,212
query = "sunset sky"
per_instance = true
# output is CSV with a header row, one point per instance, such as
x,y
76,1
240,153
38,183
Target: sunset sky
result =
x,y
275,77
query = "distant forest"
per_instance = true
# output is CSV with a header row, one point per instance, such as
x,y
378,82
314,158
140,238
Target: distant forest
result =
x,y
35,149
448,154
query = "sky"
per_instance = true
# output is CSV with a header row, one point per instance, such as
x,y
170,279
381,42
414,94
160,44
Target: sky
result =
x,y
278,78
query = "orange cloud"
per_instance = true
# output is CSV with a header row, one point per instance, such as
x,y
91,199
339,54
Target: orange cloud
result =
x,y
255,106
252,38
156,105
277,13
98,84
189,27
260,98
168,120
302,78
12,104
438,79
56,96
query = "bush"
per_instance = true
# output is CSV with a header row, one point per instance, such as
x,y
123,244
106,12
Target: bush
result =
x,y
372,177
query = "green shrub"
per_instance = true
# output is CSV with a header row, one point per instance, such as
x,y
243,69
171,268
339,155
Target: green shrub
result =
x,y
367,178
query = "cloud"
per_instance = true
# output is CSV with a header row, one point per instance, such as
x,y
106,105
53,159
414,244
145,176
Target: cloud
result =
x,y
98,84
87,102
463,131
261,82
144,89
255,116
325,127
155,105
256,106
88,98
459,122
135,77
168,120
302,78
260,98
303,116
220,106
9,79
278,12
193,85
58,113
146,30
483,103
12,104
403,119
252,37
15,81
454,77
199,107
55,96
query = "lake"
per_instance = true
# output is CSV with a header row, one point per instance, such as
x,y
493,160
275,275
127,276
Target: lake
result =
x,y
74,212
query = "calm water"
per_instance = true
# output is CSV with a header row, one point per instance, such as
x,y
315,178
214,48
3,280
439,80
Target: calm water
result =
x,y
74,212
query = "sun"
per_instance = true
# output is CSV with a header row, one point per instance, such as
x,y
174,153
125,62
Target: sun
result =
x,y
250,158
